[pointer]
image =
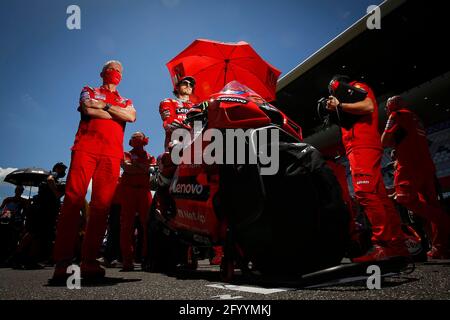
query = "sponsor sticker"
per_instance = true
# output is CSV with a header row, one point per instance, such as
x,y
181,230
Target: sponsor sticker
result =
x,y
232,99
182,110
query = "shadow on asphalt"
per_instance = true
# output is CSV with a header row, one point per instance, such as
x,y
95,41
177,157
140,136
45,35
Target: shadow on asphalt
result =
x,y
437,263
208,275
389,281
105,282
361,285
214,276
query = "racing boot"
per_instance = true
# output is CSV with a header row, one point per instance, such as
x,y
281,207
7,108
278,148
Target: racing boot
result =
x,y
60,274
92,270
398,247
438,252
378,252
413,243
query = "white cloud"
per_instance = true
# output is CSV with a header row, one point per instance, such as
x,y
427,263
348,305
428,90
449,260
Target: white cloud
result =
x,y
4,172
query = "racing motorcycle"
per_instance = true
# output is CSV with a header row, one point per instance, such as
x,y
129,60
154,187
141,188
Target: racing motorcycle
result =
x,y
289,221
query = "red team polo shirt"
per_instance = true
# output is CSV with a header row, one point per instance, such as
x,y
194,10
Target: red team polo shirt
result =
x,y
410,141
364,133
101,136
138,180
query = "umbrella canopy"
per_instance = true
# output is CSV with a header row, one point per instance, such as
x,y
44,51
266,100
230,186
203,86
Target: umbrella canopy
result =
x,y
27,176
213,64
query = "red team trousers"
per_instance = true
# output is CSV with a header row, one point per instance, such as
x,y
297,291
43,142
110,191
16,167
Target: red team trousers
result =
x,y
371,194
134,200
104,171
417,192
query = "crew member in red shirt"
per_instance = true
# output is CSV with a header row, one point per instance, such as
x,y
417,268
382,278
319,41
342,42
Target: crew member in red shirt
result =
x,y
173,111
96,154
136,196
414,177
364,152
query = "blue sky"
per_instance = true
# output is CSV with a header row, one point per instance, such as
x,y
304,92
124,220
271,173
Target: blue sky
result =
x,y
44,65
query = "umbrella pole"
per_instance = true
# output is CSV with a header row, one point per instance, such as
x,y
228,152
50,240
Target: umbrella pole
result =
x,y
29,193
227,61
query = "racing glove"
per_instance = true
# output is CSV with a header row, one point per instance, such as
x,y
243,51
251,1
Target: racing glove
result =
x,y
175,124
197,109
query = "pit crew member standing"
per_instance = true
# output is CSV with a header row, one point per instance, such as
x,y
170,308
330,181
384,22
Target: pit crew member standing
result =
x,y
414,177
135,196
364,152
96,153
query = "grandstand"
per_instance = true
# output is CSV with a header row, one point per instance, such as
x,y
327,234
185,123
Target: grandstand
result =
x,y
403,57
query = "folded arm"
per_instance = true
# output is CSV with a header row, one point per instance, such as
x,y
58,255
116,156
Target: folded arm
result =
x,y
94,109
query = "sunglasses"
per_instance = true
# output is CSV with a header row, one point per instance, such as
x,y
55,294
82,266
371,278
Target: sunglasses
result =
x,y
186,83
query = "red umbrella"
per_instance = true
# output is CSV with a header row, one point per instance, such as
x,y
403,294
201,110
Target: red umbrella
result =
x,y
213,64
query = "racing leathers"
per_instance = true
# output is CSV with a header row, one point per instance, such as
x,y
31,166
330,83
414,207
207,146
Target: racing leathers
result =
x,y
173,113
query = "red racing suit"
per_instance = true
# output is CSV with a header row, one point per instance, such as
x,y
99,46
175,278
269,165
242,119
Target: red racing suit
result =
x,y
173,110
414,178
96,154
135,198
363,147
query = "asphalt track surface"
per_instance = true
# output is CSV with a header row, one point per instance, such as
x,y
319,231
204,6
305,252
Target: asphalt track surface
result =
x,y
429,281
